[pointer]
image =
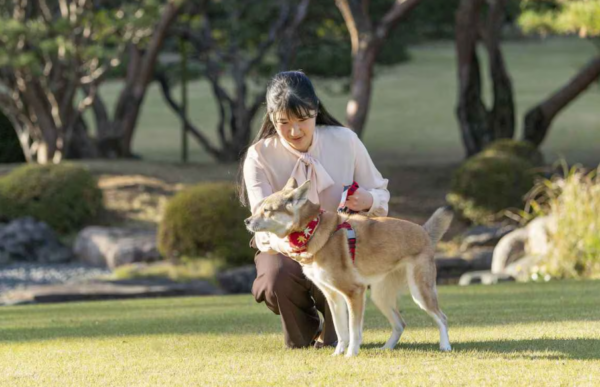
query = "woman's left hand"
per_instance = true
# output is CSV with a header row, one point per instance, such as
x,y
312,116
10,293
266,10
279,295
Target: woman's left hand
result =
x,y
361,200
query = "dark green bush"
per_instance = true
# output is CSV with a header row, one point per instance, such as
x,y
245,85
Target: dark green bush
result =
x,y
65,196
206,219
523,149
488,183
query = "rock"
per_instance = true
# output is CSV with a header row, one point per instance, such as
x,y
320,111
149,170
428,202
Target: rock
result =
x,y
485,277
531,241
482,260
450,269
27,240
484,236
113,247
238,280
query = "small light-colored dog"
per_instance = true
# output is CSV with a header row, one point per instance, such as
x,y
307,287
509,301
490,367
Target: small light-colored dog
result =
x,y
391,254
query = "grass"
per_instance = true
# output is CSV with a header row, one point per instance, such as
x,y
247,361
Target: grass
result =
x,y
412,117
510,334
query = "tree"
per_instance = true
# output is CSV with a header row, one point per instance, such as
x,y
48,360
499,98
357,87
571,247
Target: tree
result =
x,y
573,17
367,38
52,51
480,125
248,42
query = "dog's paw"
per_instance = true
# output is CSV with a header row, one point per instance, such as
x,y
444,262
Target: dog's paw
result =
x,y
445,348
339,349
352,351
388,347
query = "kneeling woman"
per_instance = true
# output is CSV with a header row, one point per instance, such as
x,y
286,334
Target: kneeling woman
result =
x,y
300,139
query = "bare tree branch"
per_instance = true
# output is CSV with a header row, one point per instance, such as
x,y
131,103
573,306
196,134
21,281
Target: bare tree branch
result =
x,y
399,10
275,31
289,43
166,92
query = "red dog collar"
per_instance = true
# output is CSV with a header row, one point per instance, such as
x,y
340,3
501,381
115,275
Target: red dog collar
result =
x,y
299,239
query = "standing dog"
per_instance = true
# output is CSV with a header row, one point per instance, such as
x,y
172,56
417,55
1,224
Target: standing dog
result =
x,y
390,255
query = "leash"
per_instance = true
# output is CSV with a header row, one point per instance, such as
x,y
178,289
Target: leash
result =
x,y
349,190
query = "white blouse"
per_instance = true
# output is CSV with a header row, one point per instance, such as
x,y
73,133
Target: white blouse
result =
x,y
269,165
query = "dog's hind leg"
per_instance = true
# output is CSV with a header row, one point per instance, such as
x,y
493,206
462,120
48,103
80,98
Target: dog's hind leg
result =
x,y
385,296
421,275
339,313
356,306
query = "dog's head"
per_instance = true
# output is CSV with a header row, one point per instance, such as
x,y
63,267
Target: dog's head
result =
x,y
285,211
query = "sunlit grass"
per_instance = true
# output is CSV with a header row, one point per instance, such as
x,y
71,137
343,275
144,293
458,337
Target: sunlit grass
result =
x,y
513,334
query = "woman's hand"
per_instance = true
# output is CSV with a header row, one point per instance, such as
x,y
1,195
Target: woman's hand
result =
x,y
361,200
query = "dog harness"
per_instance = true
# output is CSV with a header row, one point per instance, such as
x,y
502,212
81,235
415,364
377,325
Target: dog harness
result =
x,y
351,238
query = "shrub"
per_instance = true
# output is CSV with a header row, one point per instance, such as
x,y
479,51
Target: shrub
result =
x,y
486,184
65,196
523,149
574,202
206,219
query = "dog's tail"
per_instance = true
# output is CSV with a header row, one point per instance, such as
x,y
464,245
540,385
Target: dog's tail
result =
x,y
438,224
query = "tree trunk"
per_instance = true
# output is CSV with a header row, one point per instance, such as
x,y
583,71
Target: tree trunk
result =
x,y
480,126
357,108
367,40
471,113
131,101
502,116
538,119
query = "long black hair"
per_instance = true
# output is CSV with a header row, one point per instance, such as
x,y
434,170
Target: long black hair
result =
x,y
291,92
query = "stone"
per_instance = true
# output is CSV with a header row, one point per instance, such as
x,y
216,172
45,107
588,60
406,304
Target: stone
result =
x,y
28,240
484,277
482,260
113,247
534,240
449,269
238,280
484,236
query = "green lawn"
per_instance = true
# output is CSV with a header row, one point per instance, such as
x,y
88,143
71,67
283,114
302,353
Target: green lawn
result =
x,y
512,334
412,117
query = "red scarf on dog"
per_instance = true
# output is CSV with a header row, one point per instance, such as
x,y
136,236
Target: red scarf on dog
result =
x,y
299,239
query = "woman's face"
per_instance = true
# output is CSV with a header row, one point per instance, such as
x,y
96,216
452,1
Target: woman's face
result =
x,y
298,132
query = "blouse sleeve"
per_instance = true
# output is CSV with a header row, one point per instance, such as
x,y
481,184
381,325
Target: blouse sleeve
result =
x,y
368,177
257,184
258,188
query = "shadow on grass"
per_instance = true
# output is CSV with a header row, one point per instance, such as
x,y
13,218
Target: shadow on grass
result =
x,y
549,349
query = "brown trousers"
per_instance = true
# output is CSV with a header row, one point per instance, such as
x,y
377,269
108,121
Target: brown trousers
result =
x,y
281,285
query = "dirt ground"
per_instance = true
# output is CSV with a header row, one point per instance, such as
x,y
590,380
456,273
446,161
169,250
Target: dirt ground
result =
x,y
135,193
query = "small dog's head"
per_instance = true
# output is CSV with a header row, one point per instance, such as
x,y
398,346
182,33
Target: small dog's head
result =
x,y
285,211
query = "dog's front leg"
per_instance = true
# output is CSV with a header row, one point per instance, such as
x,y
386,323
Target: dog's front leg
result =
x,y
339,313
356,307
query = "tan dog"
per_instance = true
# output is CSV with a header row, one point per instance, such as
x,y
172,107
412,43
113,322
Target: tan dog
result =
x,y
391,254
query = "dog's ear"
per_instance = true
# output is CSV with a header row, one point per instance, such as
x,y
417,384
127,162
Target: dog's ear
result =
x,y
290,185
301,193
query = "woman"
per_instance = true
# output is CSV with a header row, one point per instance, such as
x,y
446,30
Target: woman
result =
x,y
300,139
